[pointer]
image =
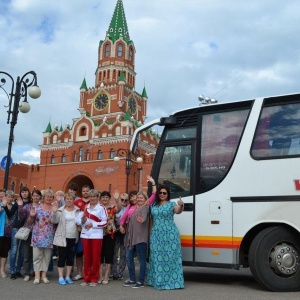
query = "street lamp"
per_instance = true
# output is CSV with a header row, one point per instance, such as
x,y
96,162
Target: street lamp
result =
x,y
24,84
123,153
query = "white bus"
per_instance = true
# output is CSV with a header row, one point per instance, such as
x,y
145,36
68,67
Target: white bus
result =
x,y
237,167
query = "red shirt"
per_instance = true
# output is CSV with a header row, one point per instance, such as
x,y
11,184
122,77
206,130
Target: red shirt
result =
x,y
81,204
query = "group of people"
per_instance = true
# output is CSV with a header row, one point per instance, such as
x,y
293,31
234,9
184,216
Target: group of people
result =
x,y
102,231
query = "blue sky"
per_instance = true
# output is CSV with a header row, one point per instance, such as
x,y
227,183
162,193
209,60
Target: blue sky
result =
x,y
230,50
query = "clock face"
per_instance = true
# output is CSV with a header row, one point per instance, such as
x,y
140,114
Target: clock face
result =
x,y
132,106
101,101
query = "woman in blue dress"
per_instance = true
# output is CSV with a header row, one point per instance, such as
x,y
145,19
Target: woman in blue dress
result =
x,y
165,259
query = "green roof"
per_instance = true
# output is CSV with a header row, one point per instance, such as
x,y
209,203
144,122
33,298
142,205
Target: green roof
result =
x,y
118,25
83,85
127,116
144,93
61,128
49,129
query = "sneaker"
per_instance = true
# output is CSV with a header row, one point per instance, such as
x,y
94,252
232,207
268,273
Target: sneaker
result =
x,y
77,277
138,285
36,281
19,275
129,283
13,276
45,280
69,280
84,284
61,281
93,284
26,278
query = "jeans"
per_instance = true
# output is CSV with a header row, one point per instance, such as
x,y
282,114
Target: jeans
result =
x,y
118,267
141,251
16,252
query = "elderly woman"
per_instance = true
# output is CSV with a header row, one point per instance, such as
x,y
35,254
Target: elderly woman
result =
x,y
66,235
92,220
42,236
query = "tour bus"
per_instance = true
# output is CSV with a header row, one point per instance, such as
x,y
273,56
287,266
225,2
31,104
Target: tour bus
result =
x,y
237,168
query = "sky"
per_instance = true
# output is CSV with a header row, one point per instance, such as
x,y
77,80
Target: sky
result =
x,y
229,50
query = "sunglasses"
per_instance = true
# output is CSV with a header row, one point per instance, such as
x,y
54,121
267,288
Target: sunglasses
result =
x,y
163,193
123,200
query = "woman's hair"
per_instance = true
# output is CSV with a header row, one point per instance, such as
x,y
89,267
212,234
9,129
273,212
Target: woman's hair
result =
x,y
10,193
60,193
161,187
94,192
69,194
48,192
105,193
143,194
124,196
38,192
131,193
25,188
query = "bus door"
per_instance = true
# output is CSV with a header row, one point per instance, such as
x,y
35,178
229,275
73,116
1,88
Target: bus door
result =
x,y
175,169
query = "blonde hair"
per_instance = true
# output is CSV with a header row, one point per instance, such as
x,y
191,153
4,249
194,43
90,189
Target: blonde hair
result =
x,y
94,192
124,196
143,194
69,194
59,193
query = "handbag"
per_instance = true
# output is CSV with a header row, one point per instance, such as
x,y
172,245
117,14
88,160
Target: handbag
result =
x,y
23,233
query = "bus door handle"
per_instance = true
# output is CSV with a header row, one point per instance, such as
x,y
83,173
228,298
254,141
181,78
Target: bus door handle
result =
x,y
188,207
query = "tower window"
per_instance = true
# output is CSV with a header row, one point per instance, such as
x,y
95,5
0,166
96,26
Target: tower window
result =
x,y
53,159
82,131
120,50
81,152
63,158
107,50
99,156
130,54
112,153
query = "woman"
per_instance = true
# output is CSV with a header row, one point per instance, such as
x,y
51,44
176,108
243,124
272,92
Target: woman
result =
x,y
7,217
24,212
119,263
92,220
165,265
16,251
42,236
107,253
66,236
136,240
132,234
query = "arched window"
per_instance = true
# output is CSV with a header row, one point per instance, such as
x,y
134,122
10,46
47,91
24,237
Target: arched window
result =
x,y
53,159
81,152
82,131
112,153
74,156
99,156
87,155
130,54
54,139
63,158
107,50
120,50
12,186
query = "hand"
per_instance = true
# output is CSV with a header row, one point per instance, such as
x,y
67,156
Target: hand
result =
x,y
4,201
140,219
54,206
122,229
83,219
20,201
116,195
88,226
150,179
32,212
180,202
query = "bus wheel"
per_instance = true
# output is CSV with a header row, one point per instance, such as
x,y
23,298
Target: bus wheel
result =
x,y
274,259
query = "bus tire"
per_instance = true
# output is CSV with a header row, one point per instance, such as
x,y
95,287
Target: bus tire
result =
x,y
274,259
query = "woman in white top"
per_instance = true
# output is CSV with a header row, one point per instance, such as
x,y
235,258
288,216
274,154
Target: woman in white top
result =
x,y
66,235
93,219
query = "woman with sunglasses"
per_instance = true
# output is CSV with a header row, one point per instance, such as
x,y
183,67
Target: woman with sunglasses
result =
x,y
165,264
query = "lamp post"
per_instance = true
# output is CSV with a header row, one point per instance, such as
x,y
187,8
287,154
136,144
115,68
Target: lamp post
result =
x,y
123,153
19,89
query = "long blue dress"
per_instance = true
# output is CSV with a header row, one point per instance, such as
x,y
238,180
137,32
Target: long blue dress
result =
x,y
165,261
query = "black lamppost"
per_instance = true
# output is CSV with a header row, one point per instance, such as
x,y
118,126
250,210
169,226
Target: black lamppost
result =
x,y
123,153
24,84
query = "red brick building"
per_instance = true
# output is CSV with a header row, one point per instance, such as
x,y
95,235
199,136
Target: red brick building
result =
x,y
83,152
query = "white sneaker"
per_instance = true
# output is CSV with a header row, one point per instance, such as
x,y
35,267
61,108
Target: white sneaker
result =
x,y
26,278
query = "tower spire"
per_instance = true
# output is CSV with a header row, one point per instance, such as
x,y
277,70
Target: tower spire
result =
x,y
118,25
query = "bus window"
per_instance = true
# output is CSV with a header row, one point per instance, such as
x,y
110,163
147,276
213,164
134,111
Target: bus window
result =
x,y
220,136
181,134
175,170
278,132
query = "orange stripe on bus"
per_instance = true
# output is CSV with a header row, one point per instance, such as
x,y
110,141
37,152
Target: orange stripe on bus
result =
x,y
225,242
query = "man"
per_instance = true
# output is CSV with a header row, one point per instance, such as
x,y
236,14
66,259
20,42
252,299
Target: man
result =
x,y
81,204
